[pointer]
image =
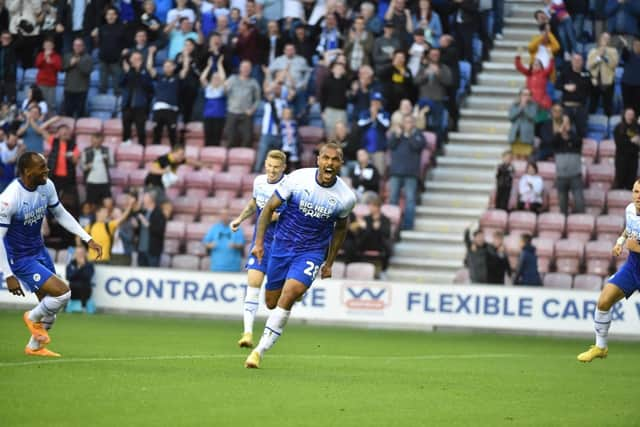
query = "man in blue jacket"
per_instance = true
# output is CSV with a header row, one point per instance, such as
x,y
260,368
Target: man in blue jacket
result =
x,y
527,271
137,91
623,19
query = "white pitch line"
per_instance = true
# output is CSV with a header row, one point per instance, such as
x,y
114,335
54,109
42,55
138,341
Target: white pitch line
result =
x,y
240,356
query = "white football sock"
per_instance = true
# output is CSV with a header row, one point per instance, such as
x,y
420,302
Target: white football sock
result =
x,y
47,323
49,306
33,344
251,301
602,321
273,329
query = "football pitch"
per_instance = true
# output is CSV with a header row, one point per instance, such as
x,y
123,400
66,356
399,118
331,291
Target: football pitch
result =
x,y
121,370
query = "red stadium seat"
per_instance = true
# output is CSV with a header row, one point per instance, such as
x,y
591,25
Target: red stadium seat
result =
x,y
197,193
194,130
580,227
175,230
130,153
205,263
601,175
152,152
360,271
215,157
197,231
547,170
462,277
137,176
119,177
607,149
186,205
172,246
432,141
557,281
521,222
551,225
196,247
240,156
609,227
594,200
311,134
227,184
519,167
598,257
247,183
112,127
545,251
202,179
568,255
617,201
589,150
492,220
236,206
394,213
338,270
587,282
213,205
192,153
88,126
186,262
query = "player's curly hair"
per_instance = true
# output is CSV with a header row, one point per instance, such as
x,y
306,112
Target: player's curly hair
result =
x,y
26,161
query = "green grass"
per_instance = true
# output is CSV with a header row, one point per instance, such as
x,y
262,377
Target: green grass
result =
x,y
113,374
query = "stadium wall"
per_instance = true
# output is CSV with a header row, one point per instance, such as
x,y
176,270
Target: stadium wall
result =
x,y
397,305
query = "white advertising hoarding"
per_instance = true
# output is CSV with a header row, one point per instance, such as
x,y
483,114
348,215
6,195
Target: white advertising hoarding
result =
x,y
398,305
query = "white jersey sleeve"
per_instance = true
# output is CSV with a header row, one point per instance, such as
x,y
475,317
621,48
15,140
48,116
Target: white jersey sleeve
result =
x,y
632,225
52,195
8,205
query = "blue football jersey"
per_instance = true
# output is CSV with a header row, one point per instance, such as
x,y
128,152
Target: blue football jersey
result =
x,y
308,220
262,192
22,212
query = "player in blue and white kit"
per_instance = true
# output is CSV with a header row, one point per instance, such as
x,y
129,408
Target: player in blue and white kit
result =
x,y
309,233
23,257
623,283
263,188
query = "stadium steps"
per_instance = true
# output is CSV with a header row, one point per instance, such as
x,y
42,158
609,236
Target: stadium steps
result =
x,y
508,56
457,190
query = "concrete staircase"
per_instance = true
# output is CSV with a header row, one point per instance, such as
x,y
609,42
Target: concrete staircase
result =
x,y
458,189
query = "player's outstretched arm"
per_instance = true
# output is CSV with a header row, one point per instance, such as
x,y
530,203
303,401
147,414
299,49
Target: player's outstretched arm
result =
x,y
248,210
12,283
70,224
263,222
339,234
617,249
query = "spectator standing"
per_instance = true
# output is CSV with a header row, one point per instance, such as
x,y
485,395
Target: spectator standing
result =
x,y
522,115
360,94
179,33
359,45
79,274
152,224
384,47
333,97
137,91
537,79
601,63
543,47
568,156
181,11
372,22
63,156
504,181
449,57
150,22
33,131
428,22
8,62
406,147
530,189
96,161
477,256
548,129
215,102
103,230
372,128
189,77
10,150
140,44
291,145
564,25
273,43
374,233
579,10
400,16
303,44
575,84
627,137
167,89
330,39
25,28
110,42
364,176
243,97
497,260
432,81
226,245
397,81
466,13
297,71
123,244
35,97
527,271
417,51
623,19
349,145
77,66
48,63
631,75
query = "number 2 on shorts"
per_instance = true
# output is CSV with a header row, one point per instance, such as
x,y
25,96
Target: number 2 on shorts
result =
x,y
311,270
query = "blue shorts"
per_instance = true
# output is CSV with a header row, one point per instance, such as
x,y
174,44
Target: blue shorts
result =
x,y
34,270
628,277
253,264
302,267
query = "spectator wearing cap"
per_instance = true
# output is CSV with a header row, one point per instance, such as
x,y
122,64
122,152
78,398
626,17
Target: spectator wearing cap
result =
x,y
432,81
78,66
110,42
406,145
384,48
333,97
137,91
397,81
359,45
243,97
48,63
372,128
96,161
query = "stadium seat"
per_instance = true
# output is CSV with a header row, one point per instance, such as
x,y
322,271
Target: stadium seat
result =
x,y
247,183
104,103
185,262
521,222
29,77
194,130
462,277
196,247
617,201
241,159
165,260
594,200
119,177
551,225
607,150
175,230
212,206
62,120
338,270
545,251
598,257
130,153
601,175
492,220
197,230
192,153
311,134
202,179
227,184
519,168
609,227
236,206
547,170
205,263
598,123
589,150
432,140
587,282
557,281
214,156
580,227
172,246
568,255
88,126
112,127
360,271
361,210
152,152
512,248
186,205
137,177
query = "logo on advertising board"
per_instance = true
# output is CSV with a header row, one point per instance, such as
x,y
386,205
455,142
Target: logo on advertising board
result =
x,y
366,296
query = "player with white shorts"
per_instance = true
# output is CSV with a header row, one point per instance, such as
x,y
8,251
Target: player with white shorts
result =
x,y
622,284
23,256
263,188
309,233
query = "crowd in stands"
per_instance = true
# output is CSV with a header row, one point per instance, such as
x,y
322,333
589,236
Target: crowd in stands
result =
x,y
81,82
575,139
